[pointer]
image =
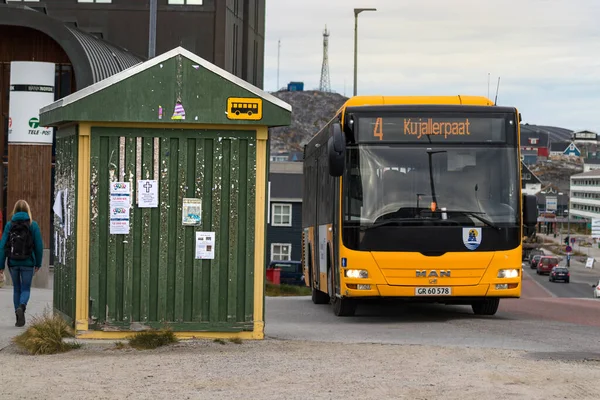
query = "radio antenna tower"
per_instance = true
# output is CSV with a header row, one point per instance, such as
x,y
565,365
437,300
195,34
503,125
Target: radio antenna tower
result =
x,y
324,85
278,53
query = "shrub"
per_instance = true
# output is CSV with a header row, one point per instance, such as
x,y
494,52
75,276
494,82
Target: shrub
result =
x,y
152,339
45,335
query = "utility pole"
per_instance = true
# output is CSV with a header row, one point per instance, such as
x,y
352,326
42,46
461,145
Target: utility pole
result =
x,y
152,35
356,12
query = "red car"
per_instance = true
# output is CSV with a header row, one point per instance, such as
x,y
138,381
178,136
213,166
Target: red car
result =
x,y
545,264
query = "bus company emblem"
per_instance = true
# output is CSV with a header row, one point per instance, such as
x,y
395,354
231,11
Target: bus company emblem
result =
x,y
244,108
472,238
423,273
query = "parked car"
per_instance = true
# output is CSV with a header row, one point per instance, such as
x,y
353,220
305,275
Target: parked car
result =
x,y
560,274
545,264
535,259
532,253
291,272
596,287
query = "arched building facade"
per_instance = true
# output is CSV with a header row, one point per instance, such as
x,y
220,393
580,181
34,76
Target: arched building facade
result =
x,y
80,60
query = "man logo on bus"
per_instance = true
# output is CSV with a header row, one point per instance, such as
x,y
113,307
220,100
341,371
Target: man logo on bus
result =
x,y
472,238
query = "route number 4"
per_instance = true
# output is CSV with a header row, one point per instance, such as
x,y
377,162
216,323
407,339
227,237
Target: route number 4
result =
x,y
378,129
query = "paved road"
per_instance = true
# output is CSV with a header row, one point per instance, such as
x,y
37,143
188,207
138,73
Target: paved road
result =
x,y
539,321
40,299
579,286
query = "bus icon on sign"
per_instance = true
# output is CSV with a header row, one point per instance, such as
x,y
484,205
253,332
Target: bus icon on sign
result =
x,y
244,108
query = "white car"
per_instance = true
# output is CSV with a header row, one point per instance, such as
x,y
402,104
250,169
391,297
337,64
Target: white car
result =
x,y
596,287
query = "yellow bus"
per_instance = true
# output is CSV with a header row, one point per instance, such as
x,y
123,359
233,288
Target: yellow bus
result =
x,y
415,198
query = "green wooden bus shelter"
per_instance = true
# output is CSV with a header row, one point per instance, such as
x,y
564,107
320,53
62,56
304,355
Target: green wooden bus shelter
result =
x,y
160,209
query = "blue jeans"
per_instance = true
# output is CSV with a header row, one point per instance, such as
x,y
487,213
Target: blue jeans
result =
x,y
21,279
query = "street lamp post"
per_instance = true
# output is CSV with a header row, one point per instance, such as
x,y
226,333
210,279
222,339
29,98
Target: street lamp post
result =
x,y
569,231
356,12
152,29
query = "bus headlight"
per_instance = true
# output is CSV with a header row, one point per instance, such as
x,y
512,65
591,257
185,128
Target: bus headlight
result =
x,y
508,273
356,273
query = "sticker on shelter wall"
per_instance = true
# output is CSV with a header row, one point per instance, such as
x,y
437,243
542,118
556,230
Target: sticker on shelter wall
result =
x,y
244,108
205,245
179,112
120,204
191,212
147,191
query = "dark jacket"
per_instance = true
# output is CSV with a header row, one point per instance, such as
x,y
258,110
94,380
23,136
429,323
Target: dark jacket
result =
x,y
38,250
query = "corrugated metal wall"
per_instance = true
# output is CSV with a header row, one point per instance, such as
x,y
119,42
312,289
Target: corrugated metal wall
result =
x,y
65,232
150,276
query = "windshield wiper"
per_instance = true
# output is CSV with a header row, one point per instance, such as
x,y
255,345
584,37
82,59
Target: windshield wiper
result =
x,y
477,216
391,221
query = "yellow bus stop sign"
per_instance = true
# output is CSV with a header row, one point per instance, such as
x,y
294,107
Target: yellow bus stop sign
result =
x,y
244,108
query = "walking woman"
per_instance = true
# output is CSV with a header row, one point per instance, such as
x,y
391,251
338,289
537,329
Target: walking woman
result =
x,y
22,245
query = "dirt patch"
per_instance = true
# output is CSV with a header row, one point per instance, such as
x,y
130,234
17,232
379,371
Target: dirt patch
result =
x,y
274,369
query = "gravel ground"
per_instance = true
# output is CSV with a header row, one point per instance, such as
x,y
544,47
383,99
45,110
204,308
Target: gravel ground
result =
x,y
274,369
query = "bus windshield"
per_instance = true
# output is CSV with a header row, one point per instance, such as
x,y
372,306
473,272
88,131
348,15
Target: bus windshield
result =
x,y
440,185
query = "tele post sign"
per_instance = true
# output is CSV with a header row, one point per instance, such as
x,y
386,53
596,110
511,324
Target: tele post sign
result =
x,y
31,88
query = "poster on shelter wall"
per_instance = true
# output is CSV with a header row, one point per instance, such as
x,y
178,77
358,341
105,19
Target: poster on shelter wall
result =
x,y
205,245
120,205
147,193
191,211
31,88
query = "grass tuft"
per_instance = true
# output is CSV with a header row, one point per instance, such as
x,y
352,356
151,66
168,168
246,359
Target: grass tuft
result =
x,y
45,335
273,290
220,341
152,339
120,345
236,340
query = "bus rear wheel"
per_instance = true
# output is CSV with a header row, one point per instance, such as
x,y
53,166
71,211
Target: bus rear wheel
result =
x,y
486,307
343,307
319,297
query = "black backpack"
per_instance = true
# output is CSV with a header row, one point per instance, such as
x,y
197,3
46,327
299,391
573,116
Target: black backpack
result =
x,y
19,245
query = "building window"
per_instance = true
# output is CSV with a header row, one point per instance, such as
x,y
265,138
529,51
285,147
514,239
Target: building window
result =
x,y
27,1
186,2
282,215
94,1
281,252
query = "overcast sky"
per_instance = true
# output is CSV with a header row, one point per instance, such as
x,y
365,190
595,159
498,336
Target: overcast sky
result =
x,y
546,52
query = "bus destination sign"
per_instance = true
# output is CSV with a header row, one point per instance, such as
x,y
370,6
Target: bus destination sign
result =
x,y
432,129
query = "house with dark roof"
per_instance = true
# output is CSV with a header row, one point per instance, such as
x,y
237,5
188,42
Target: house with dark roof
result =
x,y
585,136
530,183
284,218
590,164
529,157
558,149
537,140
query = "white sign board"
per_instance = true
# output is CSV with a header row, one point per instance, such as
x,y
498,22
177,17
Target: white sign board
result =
x,y
595,228
31,88
147,193
120,204
590,262
551,203
205,245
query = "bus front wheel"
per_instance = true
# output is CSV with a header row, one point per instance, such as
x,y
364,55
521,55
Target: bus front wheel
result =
x,y
486,307
343,307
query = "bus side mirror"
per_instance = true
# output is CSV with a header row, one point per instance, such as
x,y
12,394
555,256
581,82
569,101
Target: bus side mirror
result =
x,y
336,149
530,212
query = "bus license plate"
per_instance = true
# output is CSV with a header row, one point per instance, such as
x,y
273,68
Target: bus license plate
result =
x,y
433,291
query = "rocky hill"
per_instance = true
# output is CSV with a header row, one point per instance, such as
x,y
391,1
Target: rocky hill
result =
x,y
311,110
557,172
